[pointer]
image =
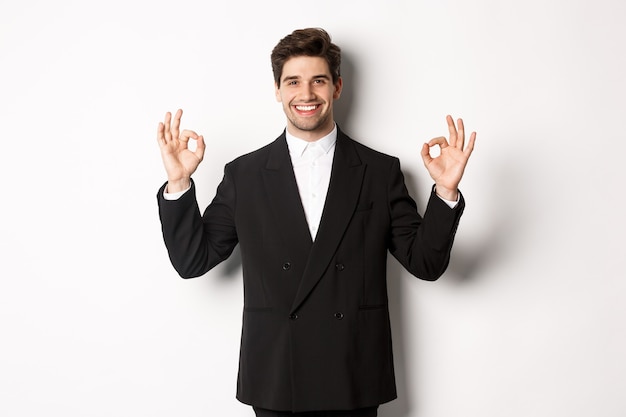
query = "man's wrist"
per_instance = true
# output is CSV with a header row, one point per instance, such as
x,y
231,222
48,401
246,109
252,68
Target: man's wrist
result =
x,y
447,194
177,186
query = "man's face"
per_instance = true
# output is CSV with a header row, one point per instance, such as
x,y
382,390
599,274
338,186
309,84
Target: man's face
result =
x,y
307,93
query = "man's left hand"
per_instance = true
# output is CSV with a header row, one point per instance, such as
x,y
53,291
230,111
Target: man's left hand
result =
x,y
447,168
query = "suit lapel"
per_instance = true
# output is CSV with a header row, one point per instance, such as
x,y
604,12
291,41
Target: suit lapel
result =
x,y
284,198
341,200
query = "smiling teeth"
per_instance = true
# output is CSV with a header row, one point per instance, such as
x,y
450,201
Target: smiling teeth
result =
x,y
306,108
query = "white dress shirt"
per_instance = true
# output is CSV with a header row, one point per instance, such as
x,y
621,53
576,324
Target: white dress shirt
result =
x,y
312,164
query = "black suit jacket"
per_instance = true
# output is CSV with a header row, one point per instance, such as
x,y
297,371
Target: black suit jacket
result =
x,y
316,332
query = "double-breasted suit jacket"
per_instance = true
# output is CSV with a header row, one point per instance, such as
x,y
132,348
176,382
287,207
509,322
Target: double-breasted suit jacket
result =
x,y
316,332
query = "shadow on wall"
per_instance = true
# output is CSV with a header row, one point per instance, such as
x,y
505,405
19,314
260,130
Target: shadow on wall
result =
x,y
343,106
504,223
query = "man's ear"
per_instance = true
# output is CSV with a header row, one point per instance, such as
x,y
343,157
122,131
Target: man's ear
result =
x,y
277,92
338,88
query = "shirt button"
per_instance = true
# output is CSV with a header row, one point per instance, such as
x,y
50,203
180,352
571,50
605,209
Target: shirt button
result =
x,y
293,316
339,316
286,266
340,267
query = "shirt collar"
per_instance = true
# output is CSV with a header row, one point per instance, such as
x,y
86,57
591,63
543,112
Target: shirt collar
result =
x,y
297,146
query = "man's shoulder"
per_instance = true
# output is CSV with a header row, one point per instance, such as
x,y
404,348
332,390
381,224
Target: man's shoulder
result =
x,y
259,155
365,152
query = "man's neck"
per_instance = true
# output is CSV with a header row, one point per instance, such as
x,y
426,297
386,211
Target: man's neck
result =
x,y
310,136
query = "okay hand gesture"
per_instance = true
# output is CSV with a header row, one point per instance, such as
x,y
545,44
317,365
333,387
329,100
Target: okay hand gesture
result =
x,y
447,168
180,161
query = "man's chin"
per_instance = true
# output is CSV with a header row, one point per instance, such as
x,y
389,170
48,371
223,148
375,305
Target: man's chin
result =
x,y
309,126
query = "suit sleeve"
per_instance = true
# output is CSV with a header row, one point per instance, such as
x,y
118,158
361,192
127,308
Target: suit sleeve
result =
x,y
197,243
421,244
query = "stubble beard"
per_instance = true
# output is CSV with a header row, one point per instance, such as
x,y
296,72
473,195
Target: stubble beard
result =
x,y
308,124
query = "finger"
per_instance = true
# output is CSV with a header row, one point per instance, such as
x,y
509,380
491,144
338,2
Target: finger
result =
x,y
176,123
160,134
187,134
441,141
166,127
426,154
470,145
200,147
452,130
461,134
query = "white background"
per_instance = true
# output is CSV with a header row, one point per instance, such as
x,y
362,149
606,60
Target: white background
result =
x,y
529,318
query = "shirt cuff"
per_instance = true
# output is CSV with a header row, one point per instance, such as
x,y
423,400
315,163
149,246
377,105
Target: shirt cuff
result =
x,y
174,196
450,203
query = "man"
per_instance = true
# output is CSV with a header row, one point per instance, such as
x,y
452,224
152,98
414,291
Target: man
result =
x,y
315,214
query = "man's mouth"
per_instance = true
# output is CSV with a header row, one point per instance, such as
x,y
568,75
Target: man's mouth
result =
x,y
307,108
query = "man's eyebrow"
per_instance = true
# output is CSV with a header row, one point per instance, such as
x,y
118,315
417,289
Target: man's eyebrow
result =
x,y
297,77
291,77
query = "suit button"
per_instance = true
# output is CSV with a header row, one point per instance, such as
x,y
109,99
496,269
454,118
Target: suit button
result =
x,y
340,267
286,266
293,316
339,316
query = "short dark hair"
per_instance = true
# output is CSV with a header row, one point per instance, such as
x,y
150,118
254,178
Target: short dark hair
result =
x,y
313,42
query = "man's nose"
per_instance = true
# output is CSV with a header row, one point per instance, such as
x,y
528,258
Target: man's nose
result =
x,y
307,92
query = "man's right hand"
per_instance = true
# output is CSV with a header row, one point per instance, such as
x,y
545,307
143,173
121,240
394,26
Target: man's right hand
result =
x,y
180,162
